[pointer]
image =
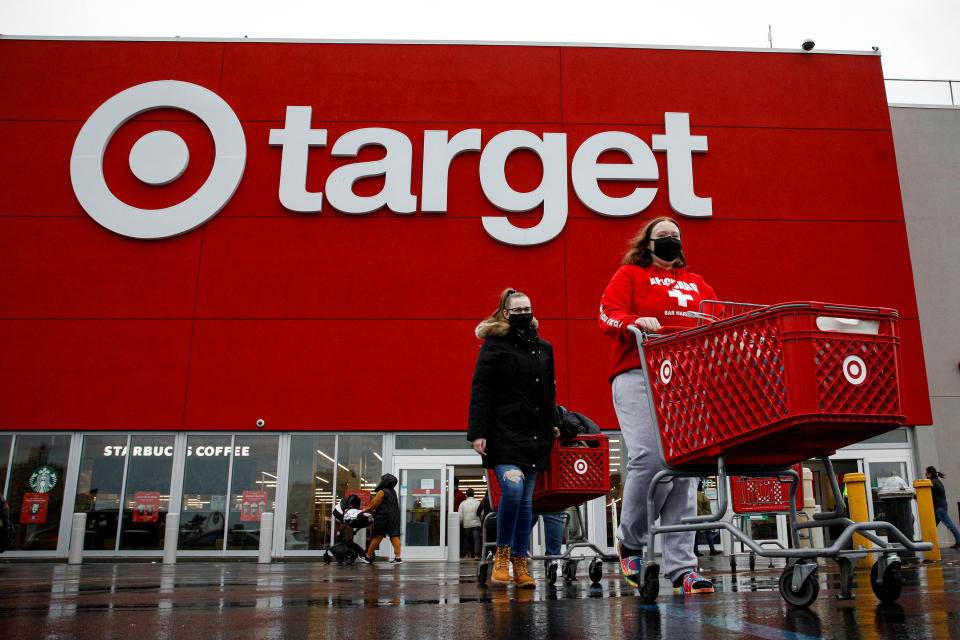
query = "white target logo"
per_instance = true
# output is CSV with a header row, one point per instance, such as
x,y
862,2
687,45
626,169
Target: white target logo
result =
x,y
581,466
158,158
666,372
854,369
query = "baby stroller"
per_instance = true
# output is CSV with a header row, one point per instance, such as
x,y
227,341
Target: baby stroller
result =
x,y
351,520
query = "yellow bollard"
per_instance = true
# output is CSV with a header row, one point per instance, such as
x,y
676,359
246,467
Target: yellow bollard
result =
x,y
928,522
856,490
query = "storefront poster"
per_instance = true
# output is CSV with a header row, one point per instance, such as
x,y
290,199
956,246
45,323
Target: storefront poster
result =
x,y
363,495
252,505
34,510
146,506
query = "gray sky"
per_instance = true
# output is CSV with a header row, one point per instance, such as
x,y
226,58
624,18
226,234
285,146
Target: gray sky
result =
x,y
918,38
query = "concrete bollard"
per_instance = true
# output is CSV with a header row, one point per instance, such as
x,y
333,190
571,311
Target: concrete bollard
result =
x,y
928,521
171,536
856,490
453,537
78,533
265,556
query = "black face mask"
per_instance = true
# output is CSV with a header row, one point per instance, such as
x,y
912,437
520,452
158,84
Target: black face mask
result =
x,y
667,249
520,321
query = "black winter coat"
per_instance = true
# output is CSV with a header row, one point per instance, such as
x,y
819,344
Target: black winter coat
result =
x,y
512,400
386,519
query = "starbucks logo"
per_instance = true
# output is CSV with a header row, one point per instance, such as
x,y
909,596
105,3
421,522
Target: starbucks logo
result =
x,y
44,479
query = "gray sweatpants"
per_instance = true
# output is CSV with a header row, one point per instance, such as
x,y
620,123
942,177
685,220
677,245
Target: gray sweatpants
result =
x,y
674,500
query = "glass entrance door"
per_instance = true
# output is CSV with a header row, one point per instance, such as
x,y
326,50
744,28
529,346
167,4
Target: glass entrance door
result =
x,y
423,511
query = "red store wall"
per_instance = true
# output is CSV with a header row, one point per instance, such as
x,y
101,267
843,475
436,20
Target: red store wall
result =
x,y
331,321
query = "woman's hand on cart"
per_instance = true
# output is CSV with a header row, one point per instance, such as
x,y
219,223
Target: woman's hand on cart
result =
x,y
480,446
648,325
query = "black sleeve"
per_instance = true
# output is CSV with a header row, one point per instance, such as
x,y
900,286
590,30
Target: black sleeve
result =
x,y
481,393
552,399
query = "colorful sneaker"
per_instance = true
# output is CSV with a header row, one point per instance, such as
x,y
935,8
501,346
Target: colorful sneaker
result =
x,y
631,564
692,582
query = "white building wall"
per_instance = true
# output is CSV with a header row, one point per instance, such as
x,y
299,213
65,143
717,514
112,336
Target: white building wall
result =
x,y
927,142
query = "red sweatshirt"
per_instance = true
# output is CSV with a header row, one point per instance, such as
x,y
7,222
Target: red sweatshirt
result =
x,y
637,292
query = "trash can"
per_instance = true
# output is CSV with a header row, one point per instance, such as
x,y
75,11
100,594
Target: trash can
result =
x,y
898,511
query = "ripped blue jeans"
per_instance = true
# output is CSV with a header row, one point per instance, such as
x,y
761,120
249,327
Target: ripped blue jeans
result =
x,y
515,512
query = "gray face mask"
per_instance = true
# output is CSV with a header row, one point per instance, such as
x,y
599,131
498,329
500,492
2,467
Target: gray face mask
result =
x,y
667,249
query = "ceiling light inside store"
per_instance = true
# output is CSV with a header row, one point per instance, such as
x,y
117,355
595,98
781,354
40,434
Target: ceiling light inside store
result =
x,y
378,456
325,456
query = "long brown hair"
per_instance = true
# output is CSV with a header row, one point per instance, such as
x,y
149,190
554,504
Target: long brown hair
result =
x,y
639,252
495,324
505,297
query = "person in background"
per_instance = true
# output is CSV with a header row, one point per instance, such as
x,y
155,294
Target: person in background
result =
x,y
941,510
512,423
385,507
704,508
458,497
470,520
651,289
7,530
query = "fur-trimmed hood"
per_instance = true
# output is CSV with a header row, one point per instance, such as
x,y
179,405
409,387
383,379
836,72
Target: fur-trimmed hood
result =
x,y
494,329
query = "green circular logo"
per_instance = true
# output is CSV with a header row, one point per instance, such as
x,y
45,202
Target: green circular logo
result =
x,y
44,479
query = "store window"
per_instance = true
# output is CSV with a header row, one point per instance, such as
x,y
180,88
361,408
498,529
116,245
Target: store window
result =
x,y
99,485
425,442
147,492
614,499
359,465
324,469
37,479
253,488
205,474
5,442
310,494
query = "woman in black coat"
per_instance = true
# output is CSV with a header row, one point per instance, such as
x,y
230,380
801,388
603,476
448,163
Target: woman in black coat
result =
x,y
513,422
385,507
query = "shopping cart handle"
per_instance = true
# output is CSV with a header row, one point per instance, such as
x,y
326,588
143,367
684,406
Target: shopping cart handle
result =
x,y
664,330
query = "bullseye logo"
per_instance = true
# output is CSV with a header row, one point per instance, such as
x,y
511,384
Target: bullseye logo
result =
x,y
854,369
581,466
666,372
158,158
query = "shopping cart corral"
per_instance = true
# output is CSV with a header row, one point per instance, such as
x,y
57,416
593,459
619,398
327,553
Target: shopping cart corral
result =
x,y
756,389
579,471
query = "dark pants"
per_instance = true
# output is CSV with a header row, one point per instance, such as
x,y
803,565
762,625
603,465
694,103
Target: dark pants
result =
x,y
471,538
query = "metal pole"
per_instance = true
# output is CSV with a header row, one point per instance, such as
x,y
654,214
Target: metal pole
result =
x,y
266,539
77,534
170,537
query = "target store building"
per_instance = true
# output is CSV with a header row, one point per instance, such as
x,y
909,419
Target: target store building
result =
x,y
243,276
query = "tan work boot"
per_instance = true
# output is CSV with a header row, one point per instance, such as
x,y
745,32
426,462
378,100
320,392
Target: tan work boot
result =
x,y
520,573
501,566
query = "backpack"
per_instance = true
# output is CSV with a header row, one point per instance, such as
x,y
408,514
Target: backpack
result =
x,y
572,424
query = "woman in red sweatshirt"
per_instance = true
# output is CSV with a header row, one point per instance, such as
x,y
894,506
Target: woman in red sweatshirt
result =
x,y
652,289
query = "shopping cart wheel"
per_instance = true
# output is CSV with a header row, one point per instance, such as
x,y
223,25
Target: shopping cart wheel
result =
x,y
350,558
482,570
552,573
808,589
570,570
753,561
326,558
892,584
596,570
650,587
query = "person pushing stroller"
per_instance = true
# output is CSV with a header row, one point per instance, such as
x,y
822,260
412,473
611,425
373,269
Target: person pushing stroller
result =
x,y
386,518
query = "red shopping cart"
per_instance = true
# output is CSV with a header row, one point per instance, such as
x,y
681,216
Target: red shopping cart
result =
x,y
755,389
579,471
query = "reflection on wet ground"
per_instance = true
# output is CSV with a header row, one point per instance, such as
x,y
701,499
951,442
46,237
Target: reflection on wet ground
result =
x,y
434,599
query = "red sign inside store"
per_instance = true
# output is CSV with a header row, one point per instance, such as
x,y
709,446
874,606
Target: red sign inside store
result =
x,y
273,309
34,508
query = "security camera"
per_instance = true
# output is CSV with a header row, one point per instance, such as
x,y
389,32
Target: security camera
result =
x,y
260,422
808,44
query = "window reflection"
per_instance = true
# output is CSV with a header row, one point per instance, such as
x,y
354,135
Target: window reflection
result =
x,y
310,497
98,488
147,495
37,479
202,518
4,460
253,488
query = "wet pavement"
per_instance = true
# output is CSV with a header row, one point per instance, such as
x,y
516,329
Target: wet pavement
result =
x,y
443,600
